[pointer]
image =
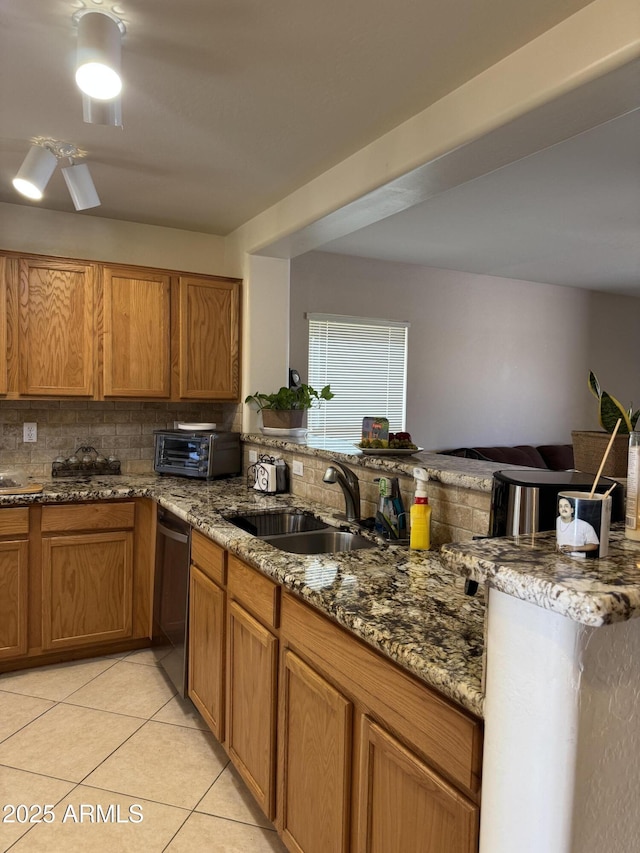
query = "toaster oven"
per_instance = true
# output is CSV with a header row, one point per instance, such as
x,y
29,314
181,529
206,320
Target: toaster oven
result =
x,y
203,454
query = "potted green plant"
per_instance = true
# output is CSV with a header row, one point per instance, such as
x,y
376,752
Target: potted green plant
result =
x,y
589,446
284,409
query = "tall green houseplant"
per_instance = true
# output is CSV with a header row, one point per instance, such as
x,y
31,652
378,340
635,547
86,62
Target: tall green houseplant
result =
x,y
589,446
611,410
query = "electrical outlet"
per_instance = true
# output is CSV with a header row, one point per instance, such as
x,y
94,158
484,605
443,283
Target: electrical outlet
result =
x,y
253,456
29,432
298,468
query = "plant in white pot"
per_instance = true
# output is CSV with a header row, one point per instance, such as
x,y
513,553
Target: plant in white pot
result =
x,y
589,446
284,409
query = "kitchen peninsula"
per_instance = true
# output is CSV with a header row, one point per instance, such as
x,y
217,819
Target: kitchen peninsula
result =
x,y
550,666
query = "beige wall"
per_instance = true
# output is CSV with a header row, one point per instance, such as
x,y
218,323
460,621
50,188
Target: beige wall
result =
x,y
491,360
70,235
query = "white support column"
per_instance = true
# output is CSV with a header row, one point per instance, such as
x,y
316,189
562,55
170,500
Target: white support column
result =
x,y
265,335
561,769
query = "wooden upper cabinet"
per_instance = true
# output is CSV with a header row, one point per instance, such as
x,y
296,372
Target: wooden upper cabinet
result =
x,y
209,338
56,351
3,325
136,327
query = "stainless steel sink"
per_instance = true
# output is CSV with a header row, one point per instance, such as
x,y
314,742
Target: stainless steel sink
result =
x,y
298,532
277,522
329,541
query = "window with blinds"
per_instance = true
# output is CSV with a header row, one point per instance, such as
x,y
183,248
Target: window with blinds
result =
x,y
365,362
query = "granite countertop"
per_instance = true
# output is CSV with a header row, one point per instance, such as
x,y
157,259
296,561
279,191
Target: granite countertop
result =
x,y
450,470
593,592
409,605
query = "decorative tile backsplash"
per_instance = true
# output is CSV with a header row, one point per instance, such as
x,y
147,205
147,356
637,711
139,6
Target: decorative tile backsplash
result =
x,y
122,429
458,513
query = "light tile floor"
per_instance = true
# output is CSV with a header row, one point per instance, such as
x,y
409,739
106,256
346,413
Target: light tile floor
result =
x,y
122,762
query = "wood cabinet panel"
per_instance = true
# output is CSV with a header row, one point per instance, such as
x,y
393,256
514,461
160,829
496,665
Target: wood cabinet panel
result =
x,y
209,557
56,349
136,345
14,521
14,559
206,649
87,587
315,761
251,703
4,364
258,594
404,806
449,737
209,338
90,516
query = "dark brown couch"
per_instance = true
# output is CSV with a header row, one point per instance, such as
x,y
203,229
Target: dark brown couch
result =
x,y
554,457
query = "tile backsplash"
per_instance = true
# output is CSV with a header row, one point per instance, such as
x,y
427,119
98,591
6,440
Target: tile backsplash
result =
x,y
122,429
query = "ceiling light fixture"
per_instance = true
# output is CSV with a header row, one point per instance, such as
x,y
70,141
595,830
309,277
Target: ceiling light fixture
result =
x,y
80,185
35,172
40,163
99,42
102,112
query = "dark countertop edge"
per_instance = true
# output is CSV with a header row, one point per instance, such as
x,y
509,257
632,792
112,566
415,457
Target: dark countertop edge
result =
x,y
449,470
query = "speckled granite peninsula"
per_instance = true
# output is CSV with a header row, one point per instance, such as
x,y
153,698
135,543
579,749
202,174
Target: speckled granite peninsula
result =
x,y
592,592
408,605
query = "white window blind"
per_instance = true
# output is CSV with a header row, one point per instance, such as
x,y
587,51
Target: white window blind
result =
x,y
365,362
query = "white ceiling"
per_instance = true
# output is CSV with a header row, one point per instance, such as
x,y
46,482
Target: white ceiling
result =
x,y
568,215
230,106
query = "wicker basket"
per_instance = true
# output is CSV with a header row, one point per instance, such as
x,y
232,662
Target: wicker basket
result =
x,y
589,447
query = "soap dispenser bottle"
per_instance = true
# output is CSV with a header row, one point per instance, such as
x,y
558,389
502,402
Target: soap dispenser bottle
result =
x,y
420,535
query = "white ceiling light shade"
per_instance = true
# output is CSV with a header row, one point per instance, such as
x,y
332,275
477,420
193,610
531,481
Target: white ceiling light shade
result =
x,y
98,66
81,187
102,112
35,172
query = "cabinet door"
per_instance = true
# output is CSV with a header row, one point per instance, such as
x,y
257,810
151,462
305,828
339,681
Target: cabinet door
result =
x,y
3,326
87,588
56,328
206,649
404,805
209,339
13,598
136,333
315,761
251,703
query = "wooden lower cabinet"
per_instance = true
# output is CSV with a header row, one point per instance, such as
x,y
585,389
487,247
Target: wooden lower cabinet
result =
x,y
314,761
87,574
404,806
369,758
87,586
206,649
252,661
14,574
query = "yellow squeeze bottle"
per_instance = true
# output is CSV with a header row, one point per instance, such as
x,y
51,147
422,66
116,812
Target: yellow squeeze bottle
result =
x,y
420,536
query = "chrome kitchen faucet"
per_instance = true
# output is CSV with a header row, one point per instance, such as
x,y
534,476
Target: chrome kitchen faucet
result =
x,y
348,482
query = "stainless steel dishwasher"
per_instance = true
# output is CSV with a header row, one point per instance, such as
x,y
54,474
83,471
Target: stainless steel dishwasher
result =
x,y
171,595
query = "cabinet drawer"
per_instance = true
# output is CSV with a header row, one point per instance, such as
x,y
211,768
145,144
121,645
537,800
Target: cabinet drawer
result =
x,y
94,516
14,521
208,557
448,737
258,594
